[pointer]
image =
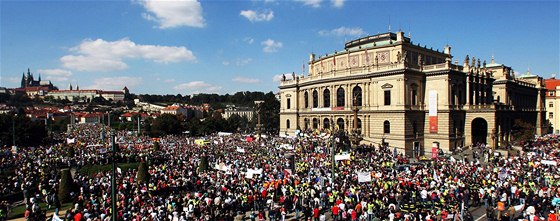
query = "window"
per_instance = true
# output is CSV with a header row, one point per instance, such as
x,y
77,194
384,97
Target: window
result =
x,y
340,97
550,115
288,124
326,98
386,127
388,97
359,124
306,123
357,96
315,123
340,123
413,94
326,123
306,99
550,104
288,103
315,99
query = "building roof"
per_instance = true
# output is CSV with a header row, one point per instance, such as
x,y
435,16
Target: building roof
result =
x,y
112,92
551,83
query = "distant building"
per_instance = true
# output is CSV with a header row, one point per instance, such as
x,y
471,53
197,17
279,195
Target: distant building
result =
x,y
240,111
174,110
87,95
28,81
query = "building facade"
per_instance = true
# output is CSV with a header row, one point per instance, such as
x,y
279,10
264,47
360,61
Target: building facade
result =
x,y
240,111
409,96
553,104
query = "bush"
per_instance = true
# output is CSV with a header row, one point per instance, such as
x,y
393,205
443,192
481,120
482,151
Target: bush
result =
x,y
203,166
71,152
66,184
156,146
143,176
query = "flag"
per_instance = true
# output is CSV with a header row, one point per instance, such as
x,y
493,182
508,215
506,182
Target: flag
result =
x,y
68,140
56,218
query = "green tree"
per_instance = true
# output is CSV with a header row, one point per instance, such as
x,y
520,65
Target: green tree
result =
x,y
167,124
66,186
522,131
142,176
203,165
27,132
156,146
71,152
270,114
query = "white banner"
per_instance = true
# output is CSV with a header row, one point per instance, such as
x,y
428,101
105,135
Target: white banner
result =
x,y
68,140
222,167
432,103
240,150
56,218
548,162
364,177
342,157
287,147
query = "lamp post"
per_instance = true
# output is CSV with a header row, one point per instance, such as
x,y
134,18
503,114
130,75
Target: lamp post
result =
x,y
333,150
355,135
259,126
113,178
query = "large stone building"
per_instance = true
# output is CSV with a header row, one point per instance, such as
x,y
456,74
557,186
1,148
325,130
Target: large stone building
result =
x,y
409,96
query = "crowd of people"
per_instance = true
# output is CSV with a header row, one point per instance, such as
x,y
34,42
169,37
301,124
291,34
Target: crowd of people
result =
x,y
256,180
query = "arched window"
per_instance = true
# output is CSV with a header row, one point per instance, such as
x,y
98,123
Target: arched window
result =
x,y
359,124
357,96
315,99
340,123
326,98
315,123
306,99
326,123
413,94
386,127
288,123
306,123
340,97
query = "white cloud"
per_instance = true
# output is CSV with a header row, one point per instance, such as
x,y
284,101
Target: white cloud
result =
x,y
254,16
278,77
246,80
271,46
55,74
312,3
169,80
101,55
226,63
338,3
191,85
12,79
343,31
115,83
176,13
196,87
242,62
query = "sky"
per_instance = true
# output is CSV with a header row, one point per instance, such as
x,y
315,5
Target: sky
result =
x,y
189,47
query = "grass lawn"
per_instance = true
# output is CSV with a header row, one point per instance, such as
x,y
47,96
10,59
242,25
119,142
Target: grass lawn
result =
x,y
19,211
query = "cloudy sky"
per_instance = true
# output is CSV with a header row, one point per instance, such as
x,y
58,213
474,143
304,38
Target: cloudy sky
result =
x,y
189,46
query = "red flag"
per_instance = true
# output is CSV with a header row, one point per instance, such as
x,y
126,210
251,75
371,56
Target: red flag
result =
x,y
334,60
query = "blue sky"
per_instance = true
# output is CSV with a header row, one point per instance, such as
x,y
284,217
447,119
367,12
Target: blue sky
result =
x,y
186,47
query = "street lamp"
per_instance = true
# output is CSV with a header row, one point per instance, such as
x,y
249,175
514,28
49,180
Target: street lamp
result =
x,y
355,135
259,126
113,177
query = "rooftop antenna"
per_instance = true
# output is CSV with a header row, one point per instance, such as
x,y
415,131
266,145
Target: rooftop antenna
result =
x,y
492,62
